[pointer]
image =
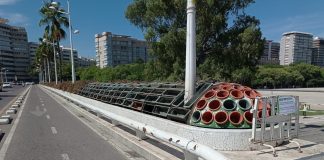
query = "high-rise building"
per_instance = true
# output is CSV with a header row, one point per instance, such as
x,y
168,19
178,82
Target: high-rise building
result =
x,y
86,62
318,52
296,47
14,52
32,51
66,55
270,53
113,50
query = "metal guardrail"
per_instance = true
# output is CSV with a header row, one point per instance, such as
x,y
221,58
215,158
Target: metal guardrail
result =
x,y
192,150
278,121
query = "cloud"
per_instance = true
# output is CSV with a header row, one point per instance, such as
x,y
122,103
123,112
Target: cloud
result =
x,y
7,2
15,18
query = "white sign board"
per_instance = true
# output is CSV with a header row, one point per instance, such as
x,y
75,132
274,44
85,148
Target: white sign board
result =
x,y
287,105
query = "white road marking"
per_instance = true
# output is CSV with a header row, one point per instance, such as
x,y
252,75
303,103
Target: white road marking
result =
x,y
54,131
48,117
6,143
65,156
45,109
43,104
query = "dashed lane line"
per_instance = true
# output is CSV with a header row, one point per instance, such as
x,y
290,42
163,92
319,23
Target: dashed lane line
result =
x,y
54,131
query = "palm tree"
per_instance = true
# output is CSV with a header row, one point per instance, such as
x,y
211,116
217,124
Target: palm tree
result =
x,y
42,54
53,21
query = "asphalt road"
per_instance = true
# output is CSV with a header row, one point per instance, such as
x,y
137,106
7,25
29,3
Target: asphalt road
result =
x,y
46,131
9,94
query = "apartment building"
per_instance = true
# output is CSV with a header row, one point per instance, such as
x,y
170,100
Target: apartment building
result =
x,y
14,52
86,62
113,50
66,55
296,47
270,53
32,51
318,52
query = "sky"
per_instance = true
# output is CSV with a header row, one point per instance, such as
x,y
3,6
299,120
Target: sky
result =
x,y
97,16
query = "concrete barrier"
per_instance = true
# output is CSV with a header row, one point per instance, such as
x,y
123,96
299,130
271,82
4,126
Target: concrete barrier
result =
x,y
219,139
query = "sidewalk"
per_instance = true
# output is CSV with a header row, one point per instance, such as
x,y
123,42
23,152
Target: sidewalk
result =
x,y
311,150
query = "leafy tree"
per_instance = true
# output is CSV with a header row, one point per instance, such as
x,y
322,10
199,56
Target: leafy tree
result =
x,y
221,47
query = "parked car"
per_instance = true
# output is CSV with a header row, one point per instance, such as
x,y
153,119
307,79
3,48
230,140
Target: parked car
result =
x,y
6,85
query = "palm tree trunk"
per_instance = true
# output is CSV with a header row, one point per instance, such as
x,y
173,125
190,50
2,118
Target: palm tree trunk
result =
x,y
45,76
60,57
48,71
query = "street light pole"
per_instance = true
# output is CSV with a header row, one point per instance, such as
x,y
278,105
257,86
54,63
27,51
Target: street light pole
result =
x,y
70,30
190,77
71,43
6,75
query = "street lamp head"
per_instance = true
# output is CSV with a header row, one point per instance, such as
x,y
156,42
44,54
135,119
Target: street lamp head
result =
x,y
54,3
44,40
76,31
52,7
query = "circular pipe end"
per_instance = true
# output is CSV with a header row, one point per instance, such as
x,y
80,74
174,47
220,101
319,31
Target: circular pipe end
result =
x,y
237,94
250,94
222,94
235,118
201,104
221,118
248,116
207,117
210,94
214,105
229,105
196,116
244,104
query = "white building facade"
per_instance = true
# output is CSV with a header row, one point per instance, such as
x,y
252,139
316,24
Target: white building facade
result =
x,y
296,47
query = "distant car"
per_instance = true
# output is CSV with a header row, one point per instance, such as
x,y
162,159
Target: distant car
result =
x,y
6,85
30,83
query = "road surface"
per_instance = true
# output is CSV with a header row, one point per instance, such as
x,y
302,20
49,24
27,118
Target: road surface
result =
x,y
46,131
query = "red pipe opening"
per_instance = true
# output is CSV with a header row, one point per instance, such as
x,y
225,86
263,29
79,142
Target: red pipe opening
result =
x,y
249,94
217,87
201,104
229,105
196,116
221,118
244,104
207,117
237,94
260,113
235,118
248,116
222,94
227,87
214,105
210,94
237,86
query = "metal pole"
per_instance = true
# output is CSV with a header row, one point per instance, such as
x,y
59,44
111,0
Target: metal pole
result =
x,y
190,78
71,43
55,70
6,75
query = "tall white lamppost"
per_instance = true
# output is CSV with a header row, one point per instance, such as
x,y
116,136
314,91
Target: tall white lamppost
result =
x,y
54,7
190,77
